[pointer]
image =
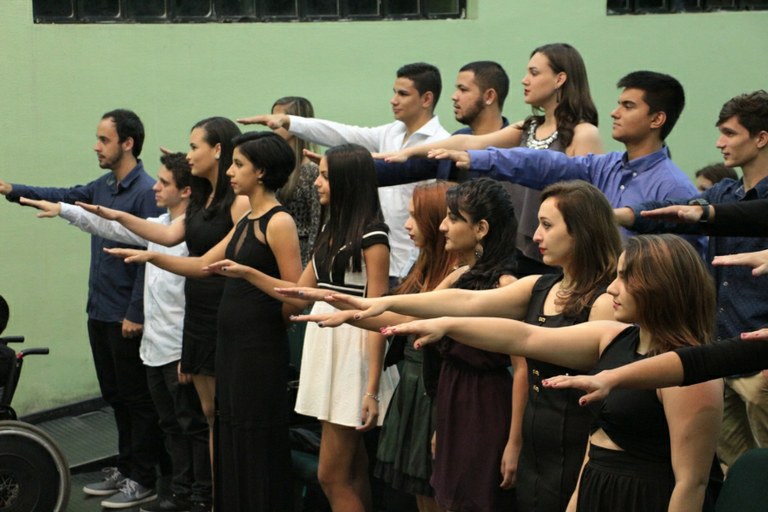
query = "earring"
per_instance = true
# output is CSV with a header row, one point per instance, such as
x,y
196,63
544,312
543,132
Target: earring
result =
x,y
478,251
559,95
217,156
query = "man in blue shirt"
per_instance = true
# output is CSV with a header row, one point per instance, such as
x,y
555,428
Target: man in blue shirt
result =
x,y
115,305
741,304
648,108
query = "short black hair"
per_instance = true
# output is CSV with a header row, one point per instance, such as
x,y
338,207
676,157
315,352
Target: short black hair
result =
x,y
425,77
490,75
751,109
128,124
269,152
662,93
178,165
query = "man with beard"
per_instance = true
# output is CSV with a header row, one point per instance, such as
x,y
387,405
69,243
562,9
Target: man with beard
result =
x,y
115,307
478,100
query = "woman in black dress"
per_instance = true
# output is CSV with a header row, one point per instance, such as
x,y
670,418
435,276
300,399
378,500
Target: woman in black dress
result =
x,y
252,459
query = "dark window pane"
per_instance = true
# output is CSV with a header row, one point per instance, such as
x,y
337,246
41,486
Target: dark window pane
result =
x,y
193,8
236,8
642,5
279,8
100,8
147,8
689,5
756,4
442,6
363,7
618,5
53,8
322,8
403,6
721,4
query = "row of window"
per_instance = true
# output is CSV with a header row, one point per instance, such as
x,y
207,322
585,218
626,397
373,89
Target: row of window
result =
x,y
656,6
180,11
153,11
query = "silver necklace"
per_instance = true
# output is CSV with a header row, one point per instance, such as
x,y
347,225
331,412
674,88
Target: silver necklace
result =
x,y
534,143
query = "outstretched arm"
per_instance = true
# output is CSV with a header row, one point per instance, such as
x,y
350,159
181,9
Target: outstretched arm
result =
x,y
507,301
654,372
507,137
86,221
168,235
187,266
577,346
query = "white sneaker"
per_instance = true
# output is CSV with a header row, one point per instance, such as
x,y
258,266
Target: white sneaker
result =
x,y
131,493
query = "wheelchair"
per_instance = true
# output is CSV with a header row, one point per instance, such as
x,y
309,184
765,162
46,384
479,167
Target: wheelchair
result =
x,y
34,474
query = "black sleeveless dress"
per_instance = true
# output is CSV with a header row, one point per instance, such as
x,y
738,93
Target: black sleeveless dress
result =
x,y
555,427
202,295
252,452
640,478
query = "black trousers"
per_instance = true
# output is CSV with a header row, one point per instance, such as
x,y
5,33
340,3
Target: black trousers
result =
x,y
185,430
123,383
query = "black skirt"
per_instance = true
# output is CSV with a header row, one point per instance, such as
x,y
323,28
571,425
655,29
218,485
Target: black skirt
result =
x,y
614,480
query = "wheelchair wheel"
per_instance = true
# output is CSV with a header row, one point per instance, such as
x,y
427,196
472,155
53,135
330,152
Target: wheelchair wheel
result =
x,y
34,475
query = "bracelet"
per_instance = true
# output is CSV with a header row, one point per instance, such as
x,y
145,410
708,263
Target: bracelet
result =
x,y
375,397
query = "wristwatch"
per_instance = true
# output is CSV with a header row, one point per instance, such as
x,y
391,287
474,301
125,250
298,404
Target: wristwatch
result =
x,y
704,208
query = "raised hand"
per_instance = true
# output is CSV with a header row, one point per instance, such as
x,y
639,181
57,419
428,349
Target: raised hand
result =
x,y
47,208
273,121
130,255
313,157
333,319
367,307
430,331
757,260
460,157
304,293
101,211
227,268
688,214
594,386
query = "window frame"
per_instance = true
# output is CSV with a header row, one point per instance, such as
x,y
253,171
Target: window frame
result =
x,y
125,14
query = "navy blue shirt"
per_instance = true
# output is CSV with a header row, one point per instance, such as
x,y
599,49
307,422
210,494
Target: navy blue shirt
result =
x,y
115,290
741,304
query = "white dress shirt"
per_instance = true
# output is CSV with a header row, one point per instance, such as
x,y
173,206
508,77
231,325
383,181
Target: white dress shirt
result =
x,y
163,291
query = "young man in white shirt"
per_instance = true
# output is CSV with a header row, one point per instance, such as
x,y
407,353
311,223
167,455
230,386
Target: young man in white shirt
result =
x,y
416,92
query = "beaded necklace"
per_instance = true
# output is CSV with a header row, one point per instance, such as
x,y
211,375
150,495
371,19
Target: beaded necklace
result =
x,y
534,143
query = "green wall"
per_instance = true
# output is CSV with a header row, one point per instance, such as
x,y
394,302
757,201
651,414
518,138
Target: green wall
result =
x,y
57,80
